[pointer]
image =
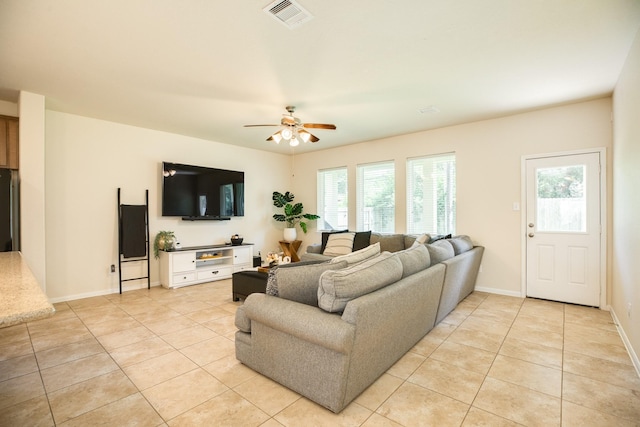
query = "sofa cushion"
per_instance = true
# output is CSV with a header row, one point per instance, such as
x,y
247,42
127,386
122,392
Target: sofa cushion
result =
x,y
388,242
299,282
242,321
359,256
414,259
272,278
440,250
461,244
338,287
325,238
339,244
361,240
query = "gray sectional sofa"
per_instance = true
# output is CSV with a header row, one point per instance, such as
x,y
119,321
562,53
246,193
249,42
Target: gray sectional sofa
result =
x,y
338,325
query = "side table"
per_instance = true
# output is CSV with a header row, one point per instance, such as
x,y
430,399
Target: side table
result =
x,y
290,249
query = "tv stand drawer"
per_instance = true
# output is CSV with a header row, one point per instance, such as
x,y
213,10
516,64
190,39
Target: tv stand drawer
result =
x,y
214,273
184,278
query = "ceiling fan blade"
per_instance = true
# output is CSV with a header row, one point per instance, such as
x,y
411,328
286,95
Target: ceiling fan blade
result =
x,y
314,138
319,126
251,126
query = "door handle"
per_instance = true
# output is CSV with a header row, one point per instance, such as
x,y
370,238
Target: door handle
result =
x,y
531,234
530,225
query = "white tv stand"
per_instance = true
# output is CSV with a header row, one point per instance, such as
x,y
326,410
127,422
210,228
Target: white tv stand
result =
x,y
199,264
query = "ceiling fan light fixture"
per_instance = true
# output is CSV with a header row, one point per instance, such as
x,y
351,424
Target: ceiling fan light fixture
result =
x,y
304,135
294,142
286,133
277,137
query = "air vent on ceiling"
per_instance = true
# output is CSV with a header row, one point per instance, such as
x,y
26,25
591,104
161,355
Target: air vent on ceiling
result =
x,y
288,12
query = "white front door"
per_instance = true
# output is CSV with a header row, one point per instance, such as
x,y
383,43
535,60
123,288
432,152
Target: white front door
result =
x,y
563,225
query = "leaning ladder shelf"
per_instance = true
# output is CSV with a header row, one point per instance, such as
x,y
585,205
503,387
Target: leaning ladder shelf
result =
x,y
133,232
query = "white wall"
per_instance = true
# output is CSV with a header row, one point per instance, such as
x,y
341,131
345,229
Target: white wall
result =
x,y
88,159
626,228
488,156
32,184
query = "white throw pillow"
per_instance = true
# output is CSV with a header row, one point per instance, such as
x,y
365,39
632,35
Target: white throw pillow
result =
x,y
359,256
339,244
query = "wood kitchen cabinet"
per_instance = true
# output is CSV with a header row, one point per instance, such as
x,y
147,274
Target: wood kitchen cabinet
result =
x,y
8,142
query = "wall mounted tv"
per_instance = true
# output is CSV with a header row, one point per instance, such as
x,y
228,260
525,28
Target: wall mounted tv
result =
x,y
201,193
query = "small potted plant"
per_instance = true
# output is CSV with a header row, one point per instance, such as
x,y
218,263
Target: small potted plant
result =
x,y
292,214
164,241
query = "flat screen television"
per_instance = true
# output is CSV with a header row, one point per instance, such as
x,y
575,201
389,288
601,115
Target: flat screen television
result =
x,y
196,192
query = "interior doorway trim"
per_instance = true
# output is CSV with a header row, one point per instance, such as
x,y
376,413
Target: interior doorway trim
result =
x,y
603,218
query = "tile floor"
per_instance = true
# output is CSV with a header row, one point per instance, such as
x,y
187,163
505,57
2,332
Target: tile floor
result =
x,y
166,357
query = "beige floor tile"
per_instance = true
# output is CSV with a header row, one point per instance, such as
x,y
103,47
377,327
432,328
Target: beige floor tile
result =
x,y
209,350
532,352
463,356
613,353
407,407
18,366
13,334
66,353
122,338
579,416
33,413
133,410
20,389
88,302
93,315
589,316
184,392
620,374
76,371
406,365
156,314
525,332
377,420
426,345
306,413
267,394
140,351
608,398
496,314
230,371
518,404
526,374
159,369
222,325
478,417
378,392
481,324
55,339
185,307
441,331
541,321
16,349
188,336
208,314
450,380
229,409
79,398
581,333
172,324
483,340
113,326
455,318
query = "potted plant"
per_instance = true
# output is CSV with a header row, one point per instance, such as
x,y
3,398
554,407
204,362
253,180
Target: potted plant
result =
x,y
164,240
292,214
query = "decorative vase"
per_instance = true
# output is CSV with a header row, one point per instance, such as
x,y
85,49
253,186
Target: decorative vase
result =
x,y
290,234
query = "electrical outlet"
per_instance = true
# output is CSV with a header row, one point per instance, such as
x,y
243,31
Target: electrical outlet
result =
x,y
113,268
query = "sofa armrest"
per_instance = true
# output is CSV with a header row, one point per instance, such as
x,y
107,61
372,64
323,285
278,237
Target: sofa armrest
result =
x,y
300,320
315,248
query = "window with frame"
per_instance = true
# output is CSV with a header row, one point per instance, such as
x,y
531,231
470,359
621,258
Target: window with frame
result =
x,y
333,199
431,194
375,197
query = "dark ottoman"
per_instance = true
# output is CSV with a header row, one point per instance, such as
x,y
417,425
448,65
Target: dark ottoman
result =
x,y
248,282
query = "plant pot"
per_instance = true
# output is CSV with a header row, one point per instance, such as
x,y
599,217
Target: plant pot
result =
x,y
290,234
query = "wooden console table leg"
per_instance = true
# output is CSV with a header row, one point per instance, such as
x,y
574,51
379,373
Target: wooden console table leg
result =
x,y
290,249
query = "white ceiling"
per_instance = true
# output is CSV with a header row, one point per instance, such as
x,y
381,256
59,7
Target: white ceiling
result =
x,y
205,68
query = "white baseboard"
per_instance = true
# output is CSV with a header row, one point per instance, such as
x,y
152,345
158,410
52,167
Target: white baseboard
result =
x,y
499,291
125,287
627,343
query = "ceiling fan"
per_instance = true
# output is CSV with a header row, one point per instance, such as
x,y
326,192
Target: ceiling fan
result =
x,y
293,130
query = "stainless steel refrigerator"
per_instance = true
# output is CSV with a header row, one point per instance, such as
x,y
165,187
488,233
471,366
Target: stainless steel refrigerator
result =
x,y
9,211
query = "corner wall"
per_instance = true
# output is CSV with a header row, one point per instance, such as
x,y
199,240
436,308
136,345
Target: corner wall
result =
x,y
625,267
87,160
488,157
